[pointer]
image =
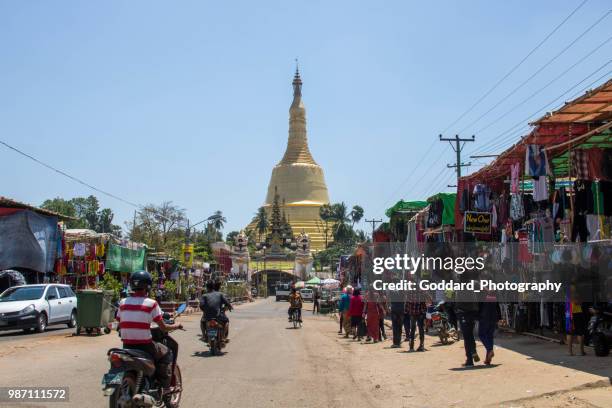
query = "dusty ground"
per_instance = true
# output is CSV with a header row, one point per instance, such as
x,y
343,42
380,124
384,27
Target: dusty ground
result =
x,y
269,364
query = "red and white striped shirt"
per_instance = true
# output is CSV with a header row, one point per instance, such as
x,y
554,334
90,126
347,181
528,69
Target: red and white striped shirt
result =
x,y
135,316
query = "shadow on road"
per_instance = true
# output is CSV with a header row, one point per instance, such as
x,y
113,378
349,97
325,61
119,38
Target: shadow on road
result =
x,y
554,353
475,367
207,354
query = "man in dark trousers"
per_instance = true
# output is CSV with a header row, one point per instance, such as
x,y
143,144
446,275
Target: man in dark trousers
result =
x,y
397,320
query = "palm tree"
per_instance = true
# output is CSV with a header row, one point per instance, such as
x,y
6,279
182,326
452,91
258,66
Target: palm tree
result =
x,y
217,220
356,214
261,221
341,219
326,214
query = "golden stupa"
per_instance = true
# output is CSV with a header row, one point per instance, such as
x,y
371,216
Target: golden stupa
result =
x,y
299,179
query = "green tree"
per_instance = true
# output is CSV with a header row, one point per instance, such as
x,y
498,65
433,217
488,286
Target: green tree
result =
x,y
162,227
64,207
87,211
356,215
261,222
230,239
217,220
326,214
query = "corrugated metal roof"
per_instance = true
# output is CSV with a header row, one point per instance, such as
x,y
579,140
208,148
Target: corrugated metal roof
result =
x,y
10,203
594,106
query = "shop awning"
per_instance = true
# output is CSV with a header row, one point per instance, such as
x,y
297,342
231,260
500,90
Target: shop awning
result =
x,y
406,207
577,122
448,200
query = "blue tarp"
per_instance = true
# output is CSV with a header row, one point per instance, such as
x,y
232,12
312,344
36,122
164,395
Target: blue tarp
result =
x,y
28,240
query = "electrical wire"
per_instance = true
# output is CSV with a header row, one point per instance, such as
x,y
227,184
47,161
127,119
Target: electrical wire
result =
x,y
516,89
487,93
73,178
76,179
510,131
544,87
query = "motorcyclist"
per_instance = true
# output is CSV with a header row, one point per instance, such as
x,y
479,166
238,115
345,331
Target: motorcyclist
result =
x,y
135,315
295,303
211,305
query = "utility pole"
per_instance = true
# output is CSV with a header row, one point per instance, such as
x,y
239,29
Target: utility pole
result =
x,y
458,145
373,221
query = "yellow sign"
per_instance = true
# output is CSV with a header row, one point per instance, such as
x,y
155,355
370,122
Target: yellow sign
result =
x,y
477,222
187,255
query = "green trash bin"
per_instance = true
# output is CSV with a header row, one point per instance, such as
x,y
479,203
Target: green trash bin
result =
x,y
94,310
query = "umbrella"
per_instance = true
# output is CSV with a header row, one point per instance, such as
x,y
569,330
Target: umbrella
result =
x,y
299,284
314,281
331,283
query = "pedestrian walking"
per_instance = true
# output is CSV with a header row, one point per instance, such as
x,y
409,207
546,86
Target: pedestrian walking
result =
x,y
343,304
397,320
315,301
416,309
489,315
347,315
383,308
356,313
372,313
575,321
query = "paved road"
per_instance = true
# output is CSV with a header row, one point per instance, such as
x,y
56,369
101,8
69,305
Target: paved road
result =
x,y
270,364
11,335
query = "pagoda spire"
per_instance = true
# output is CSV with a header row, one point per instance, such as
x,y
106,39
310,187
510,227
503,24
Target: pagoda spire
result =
x,y
297,146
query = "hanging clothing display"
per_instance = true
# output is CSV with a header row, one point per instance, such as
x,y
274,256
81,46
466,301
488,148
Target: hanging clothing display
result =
x,y
536,162
517,210
514,177
482,197
540,189
580,164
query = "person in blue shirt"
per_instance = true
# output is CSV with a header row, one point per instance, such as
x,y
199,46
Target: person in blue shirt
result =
x,y
343,305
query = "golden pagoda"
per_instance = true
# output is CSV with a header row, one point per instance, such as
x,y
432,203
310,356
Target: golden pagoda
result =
x,y
298,179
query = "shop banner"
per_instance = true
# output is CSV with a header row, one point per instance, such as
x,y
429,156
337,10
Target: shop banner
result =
x,y
121,259
477,222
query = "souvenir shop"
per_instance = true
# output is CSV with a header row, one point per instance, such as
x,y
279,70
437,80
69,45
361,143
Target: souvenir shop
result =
x,y
89,255
541,196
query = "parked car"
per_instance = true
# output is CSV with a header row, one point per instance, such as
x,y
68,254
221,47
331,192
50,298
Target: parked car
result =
x,y
307,294
35,307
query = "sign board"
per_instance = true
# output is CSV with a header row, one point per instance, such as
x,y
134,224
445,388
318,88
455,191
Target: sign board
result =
x,y
477,222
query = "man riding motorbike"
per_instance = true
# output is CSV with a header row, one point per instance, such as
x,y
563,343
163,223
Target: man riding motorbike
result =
x,y
295,303
135,315
211,305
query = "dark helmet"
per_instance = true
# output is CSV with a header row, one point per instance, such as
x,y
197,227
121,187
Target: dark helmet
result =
x,y
141,280
210,286
217,285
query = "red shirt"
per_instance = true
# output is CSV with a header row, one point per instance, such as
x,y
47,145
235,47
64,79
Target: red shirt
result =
x,y
356,306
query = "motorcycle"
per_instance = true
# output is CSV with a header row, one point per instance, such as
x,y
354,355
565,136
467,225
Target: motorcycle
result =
x,y
131,381
295,319
213,333
440,322
600,334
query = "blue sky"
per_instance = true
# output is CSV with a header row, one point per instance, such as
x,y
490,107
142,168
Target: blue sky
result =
x,y
188,101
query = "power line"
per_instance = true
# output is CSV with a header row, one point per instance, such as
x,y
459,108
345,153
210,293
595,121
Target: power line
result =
x,y
545,86
515,67
510,131
73,178
423,157
537,72
76,179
